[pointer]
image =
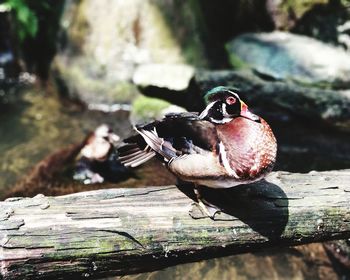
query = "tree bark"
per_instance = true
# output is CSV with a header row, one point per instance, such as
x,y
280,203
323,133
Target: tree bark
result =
x,y
124,231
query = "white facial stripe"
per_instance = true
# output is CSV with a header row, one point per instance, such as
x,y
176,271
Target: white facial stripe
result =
x,y
206,110
225,162
226,116
224,120
235,94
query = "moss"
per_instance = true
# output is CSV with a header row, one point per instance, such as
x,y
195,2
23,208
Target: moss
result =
x,y
235,61
90,246
124,92
321,84
148,108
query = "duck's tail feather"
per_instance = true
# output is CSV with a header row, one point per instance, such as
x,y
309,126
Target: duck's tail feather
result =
x,y
131,155
144,147
158,144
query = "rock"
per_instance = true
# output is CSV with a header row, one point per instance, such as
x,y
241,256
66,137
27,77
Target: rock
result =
x,y
103,42
173,83
287,56
172,76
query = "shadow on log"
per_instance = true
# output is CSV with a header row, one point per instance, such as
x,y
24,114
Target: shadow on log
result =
x,y
246,202
125,231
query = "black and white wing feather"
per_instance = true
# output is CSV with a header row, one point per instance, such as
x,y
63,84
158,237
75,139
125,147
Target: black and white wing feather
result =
x,y
171,137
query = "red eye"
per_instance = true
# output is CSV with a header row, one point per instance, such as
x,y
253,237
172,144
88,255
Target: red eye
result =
x,y
230,100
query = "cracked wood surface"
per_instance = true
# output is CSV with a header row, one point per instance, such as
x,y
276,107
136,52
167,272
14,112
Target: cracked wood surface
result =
x,y
124,231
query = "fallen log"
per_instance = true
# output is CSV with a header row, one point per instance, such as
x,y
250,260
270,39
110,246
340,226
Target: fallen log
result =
x,y
322,105
125,231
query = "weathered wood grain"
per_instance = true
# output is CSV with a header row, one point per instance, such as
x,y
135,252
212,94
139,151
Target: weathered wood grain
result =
x,y
125,231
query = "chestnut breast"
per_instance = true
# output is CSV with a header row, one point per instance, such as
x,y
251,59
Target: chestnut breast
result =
x,y
250,147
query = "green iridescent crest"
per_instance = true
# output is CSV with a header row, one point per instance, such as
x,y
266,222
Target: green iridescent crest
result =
x,y
211,94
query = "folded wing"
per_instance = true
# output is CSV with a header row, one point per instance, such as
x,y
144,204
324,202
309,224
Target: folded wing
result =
x,y
173,136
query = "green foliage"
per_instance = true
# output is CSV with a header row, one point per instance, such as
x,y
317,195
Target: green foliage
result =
x,y
299,7
25,17
345,3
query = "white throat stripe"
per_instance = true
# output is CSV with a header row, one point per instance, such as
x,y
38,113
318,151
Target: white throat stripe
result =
x,y
225,162
206,110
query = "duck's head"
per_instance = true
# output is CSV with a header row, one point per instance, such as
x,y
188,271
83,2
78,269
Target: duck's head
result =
x,y
223,105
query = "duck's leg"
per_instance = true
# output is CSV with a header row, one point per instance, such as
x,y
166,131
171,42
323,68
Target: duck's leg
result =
x,y
209,209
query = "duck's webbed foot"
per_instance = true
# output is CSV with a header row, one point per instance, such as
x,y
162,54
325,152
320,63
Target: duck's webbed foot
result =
x,y
206,208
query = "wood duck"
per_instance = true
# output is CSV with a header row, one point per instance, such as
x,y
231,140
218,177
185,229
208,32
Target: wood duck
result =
x,y
223,146
98,161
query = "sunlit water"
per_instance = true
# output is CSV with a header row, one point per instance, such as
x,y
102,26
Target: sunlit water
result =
x,y
38,124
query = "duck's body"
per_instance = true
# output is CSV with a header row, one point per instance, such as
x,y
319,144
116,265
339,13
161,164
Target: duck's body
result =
x,y
215,149
250,148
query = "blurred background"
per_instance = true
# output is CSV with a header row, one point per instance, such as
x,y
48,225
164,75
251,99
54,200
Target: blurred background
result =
x,y
66,67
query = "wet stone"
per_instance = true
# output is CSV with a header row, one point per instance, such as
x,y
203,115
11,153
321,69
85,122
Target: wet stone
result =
x,y
284,55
